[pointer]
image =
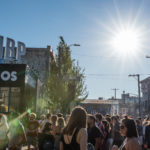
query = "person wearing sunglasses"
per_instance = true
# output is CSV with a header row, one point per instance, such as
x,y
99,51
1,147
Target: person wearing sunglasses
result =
x,y
128,129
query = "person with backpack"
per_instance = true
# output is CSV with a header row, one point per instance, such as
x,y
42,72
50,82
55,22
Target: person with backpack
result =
x,y
99,122
74,136
106,133
46,139
100,125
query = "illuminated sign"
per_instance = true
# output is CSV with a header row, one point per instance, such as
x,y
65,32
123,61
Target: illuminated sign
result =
x,y
10,52
12,75
6,75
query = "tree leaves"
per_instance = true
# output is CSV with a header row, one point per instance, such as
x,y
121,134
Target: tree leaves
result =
x,y
65,85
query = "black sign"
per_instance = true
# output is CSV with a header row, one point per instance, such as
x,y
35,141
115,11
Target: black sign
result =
x,y
12,75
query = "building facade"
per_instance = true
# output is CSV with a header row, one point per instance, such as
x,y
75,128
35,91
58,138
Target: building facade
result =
x,y
112,106
145,89
37,61
129,104
93,106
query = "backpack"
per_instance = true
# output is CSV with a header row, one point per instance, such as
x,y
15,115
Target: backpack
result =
x,y
47,145
90,146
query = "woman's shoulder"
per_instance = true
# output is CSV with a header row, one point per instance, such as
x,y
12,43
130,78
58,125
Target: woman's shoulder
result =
x,y
83,130
132,140
82,134
134,143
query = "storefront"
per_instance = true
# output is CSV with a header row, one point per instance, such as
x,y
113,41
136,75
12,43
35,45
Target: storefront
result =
x,y
12,84
17,88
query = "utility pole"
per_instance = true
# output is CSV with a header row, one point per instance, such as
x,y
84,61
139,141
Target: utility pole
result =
x,y
124,97
139,91
115,90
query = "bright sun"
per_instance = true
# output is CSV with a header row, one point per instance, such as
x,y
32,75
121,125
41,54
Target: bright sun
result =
x,y
126,42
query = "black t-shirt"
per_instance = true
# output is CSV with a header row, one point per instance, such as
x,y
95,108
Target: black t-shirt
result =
x,y
93,133
147,135
45,140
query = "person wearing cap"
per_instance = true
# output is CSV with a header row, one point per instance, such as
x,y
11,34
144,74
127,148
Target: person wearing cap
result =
x,y
32,131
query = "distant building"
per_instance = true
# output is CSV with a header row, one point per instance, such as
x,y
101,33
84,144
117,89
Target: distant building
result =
x,y
129,104
127,98
93,106
112,106
145,89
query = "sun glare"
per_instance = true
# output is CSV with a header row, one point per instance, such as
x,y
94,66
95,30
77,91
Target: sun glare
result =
x,y
126,42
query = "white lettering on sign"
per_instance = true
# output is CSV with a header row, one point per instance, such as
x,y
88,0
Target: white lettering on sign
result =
x,y
9,49
6,75
10,52
21,50
14,76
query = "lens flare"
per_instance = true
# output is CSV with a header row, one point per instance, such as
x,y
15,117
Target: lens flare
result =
x,y
126,42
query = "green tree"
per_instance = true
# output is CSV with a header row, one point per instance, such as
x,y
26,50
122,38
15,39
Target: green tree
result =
x,y
65,85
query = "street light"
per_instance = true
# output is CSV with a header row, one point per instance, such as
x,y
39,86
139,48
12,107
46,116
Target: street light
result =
x,y
74,45
139,92
147,56
66,78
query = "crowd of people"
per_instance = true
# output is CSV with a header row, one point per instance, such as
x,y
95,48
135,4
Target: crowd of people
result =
x,y
77,131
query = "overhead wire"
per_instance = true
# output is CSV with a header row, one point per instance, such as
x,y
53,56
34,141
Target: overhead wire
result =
x,y
99,56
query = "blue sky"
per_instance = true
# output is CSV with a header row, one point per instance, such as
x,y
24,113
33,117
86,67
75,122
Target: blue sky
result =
x,y
39,23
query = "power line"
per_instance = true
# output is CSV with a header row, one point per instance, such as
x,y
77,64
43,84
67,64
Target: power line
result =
x,y
113,74
94,56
